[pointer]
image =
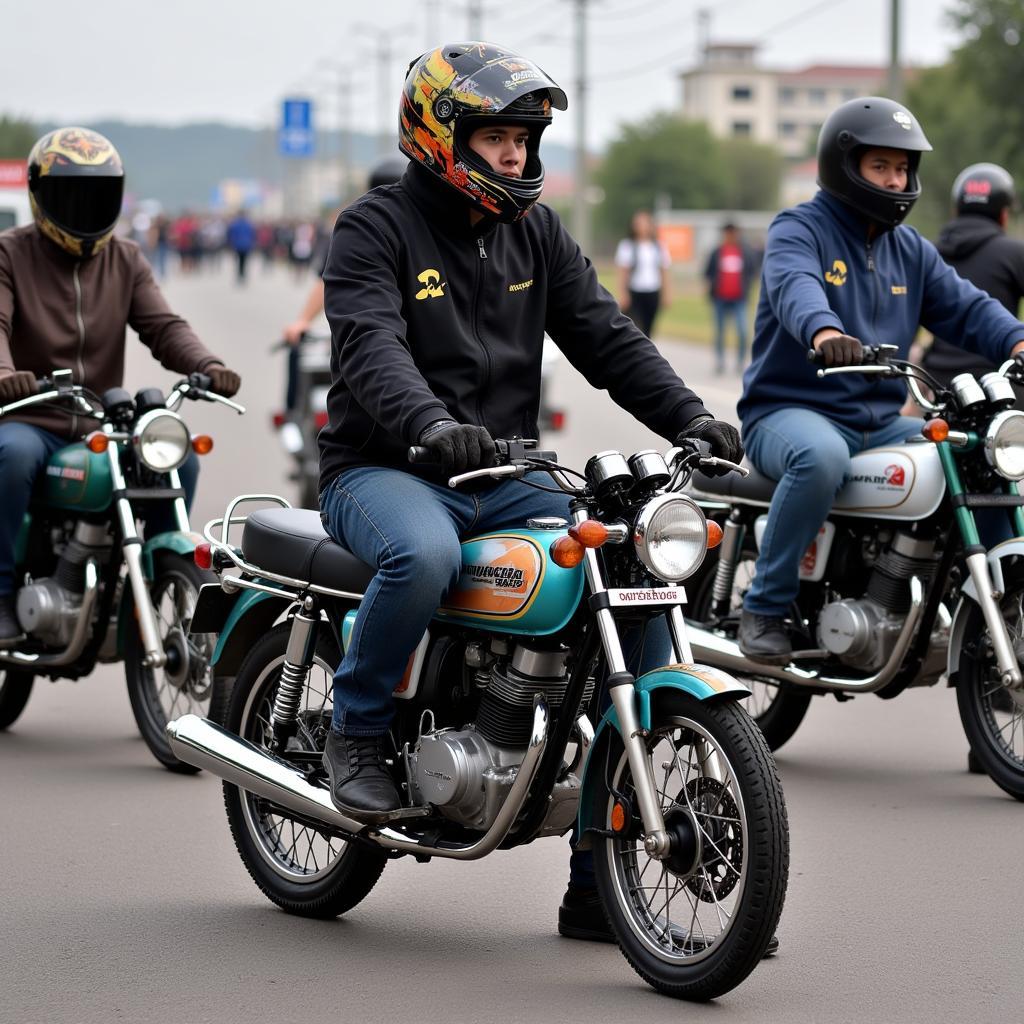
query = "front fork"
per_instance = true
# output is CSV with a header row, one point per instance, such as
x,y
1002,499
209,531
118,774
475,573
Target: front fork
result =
x,y
622,691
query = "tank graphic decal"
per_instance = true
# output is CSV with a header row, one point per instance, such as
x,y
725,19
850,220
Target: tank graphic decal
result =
x,y
501,576
885,480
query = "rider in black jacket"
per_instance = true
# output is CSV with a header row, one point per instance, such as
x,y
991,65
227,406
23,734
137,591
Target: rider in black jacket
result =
x,y
438,290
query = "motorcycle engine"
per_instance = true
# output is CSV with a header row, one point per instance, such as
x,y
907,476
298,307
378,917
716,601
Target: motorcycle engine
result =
x,y
467,773
48,608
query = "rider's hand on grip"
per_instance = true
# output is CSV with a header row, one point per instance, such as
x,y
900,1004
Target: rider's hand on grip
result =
x,y
458,447
17,384
837,350
722,438
223,381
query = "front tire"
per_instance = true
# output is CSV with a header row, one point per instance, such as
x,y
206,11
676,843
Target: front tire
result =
x,y
725,881
992,715
15,690
185,684
301,869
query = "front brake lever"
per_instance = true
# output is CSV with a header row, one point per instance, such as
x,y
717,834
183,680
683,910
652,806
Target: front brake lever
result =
x,y
713,460
515,471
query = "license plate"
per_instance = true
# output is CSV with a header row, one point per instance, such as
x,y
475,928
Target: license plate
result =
x,y
624,598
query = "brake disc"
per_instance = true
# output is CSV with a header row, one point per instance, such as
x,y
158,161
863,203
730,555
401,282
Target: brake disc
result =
x,y
718,816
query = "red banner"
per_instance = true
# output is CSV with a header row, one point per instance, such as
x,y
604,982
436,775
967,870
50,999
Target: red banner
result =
x,y
13,174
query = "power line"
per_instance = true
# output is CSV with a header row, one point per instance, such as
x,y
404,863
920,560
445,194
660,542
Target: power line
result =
x,y
807,12
630,12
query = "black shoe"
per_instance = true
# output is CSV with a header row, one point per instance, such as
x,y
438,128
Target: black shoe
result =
x,y
360,783
10,631
764,638
582,916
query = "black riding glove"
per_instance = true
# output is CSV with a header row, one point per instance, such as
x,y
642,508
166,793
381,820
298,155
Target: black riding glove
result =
x,y
16,385
841,350
722,438
223,381
458,447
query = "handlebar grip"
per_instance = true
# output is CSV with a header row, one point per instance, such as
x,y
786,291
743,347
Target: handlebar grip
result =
x,y
418,454
815,358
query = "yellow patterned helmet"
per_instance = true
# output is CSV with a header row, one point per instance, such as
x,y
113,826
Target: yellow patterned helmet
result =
x,y
75,186
449,92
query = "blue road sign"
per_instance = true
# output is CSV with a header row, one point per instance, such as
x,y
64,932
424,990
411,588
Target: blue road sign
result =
x,y
295,136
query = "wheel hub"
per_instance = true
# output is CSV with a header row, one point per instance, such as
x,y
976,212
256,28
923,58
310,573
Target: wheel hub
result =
x,y
684,840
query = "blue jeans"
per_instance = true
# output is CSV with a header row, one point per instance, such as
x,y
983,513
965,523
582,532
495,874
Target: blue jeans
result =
x,y
736,309
810,456
24,451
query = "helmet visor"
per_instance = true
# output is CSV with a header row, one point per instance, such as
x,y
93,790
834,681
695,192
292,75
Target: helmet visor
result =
x,y
85,206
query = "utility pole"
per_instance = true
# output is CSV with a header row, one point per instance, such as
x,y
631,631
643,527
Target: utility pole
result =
x,y
895,71
433,32
386,96
580,207
703,33
475,8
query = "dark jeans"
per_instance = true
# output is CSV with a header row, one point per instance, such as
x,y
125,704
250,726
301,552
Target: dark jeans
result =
x,y
24,451
243,258
643,308
736,310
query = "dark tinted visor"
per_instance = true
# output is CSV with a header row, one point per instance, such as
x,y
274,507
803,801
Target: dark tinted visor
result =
x,y
82,206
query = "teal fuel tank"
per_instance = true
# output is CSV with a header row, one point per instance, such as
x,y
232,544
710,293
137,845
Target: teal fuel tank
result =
x,y
78,480
510,584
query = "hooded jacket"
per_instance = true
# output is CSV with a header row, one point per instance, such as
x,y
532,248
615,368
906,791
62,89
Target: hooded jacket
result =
x,y
58,312
433,319
976,247
820,271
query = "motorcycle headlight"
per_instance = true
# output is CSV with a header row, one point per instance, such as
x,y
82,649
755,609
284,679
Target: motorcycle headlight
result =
x,y
161,440
1004,444
671,537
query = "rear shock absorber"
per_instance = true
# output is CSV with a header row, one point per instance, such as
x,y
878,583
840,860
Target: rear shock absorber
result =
x,y
298,660
728,557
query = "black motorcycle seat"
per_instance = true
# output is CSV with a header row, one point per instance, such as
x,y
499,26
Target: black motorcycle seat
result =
x,y
754,488
293,542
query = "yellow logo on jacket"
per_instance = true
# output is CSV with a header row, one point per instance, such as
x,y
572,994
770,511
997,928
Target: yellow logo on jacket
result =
x,y
433,286
837,275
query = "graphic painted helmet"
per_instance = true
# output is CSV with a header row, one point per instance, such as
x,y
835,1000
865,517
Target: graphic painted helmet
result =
x,y
457,88
987,189
387,171
75,186
870,122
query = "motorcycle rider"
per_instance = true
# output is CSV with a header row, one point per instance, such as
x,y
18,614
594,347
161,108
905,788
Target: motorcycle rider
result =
x,y
974,243
68,290
438,292
839,269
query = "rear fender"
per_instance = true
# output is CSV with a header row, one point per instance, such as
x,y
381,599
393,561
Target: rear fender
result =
x,y
700,682
252,616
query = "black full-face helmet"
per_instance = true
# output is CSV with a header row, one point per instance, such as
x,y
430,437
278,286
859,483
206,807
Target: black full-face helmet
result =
x,y
459,87
870,122
75,186
985,189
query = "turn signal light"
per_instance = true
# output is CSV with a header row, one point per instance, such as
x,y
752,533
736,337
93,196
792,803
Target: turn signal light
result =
x,y
202,444
567,552
97,442
714,534
590,533
203,556
936,430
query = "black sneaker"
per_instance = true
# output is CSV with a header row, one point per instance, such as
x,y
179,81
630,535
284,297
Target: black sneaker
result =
x,y
582,916
360,783
10,631
764,638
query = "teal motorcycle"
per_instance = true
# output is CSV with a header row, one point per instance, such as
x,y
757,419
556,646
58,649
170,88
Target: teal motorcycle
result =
x,y
92,589
493,744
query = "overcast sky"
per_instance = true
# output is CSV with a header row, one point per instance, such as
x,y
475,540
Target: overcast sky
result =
x,y
233,60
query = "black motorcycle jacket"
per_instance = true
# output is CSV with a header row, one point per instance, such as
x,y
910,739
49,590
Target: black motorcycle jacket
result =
x,y
432,318
978,250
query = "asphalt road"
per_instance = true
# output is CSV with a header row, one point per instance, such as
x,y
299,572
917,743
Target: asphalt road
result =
x,y
123,898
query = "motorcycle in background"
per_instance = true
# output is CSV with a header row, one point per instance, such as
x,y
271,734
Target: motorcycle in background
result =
x,y
493,744
92,590
900,587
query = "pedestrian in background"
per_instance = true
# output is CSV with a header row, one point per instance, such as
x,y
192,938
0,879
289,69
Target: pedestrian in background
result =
x,y
729,272
643,280
241,238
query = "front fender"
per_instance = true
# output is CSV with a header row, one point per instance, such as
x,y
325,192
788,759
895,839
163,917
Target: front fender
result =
x,y
173,540
969,595
698,681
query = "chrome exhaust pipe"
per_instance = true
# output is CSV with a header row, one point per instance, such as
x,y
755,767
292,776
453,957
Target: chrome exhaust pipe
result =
x,y
200,742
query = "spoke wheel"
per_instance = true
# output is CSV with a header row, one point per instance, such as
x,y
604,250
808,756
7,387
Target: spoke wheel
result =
x,y
777,710
184,684
991,714
302,869
697,923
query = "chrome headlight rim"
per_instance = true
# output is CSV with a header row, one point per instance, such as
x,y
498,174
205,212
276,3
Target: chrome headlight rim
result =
x,y
1011,420
143,440
646,519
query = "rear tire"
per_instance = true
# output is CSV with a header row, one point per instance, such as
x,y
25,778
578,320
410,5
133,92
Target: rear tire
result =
x,y
303,870
15,690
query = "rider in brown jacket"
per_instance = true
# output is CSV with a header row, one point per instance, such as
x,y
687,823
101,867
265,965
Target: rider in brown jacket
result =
x,y
68,290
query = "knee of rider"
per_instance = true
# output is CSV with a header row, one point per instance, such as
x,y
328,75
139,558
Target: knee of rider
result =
x,y
427,562
821,468
19,464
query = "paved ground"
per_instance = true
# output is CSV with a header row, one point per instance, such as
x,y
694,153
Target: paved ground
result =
x,y
123,898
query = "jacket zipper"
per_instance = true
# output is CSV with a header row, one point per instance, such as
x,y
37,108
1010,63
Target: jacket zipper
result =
x,y
476,330
874,304
81,337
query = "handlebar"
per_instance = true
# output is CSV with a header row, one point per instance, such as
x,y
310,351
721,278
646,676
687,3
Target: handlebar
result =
x,y
873,355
